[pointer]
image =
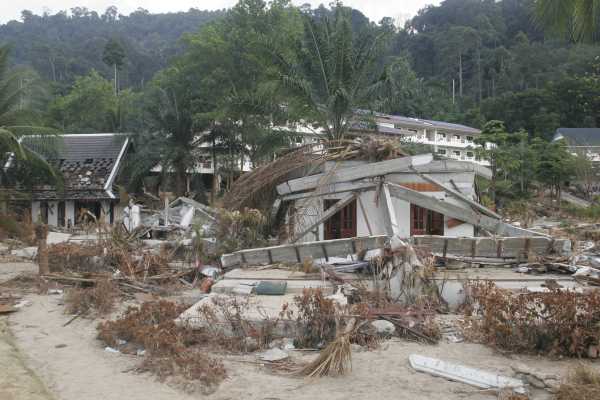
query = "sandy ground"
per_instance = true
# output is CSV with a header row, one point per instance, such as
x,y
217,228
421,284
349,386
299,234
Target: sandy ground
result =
x,y
9,270
73,365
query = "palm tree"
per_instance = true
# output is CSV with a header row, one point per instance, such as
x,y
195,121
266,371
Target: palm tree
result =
x,y
19,92
335,70
575,19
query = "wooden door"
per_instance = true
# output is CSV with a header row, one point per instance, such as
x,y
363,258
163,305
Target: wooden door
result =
x,y
343,223
425,222
435,223
418,220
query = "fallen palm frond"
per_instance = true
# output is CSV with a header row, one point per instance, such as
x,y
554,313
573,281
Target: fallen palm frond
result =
x,y
582,384
336,358
256,189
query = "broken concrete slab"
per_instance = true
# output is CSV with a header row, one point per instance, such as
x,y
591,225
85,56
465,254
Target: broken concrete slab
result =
x,y
257,312
460,373
353,173
273,355
57,237
493,247
291,253
25,252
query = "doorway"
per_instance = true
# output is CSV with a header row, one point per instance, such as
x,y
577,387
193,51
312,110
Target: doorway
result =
x,y
342,224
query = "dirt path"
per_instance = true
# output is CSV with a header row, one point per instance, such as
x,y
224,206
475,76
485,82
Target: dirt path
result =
x,y
83,370
17,381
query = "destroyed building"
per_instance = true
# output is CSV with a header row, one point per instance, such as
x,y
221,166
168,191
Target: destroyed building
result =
x,y
407,196
89,166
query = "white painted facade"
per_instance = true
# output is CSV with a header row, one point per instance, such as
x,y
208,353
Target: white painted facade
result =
x,y
309,211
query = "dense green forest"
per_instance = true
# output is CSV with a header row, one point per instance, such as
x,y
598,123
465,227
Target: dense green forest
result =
x,y
497,59
226,76
63,46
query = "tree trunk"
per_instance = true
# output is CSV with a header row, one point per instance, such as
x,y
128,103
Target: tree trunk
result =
x,y
116,84
493,182
215,180
460,75
41,233
180,179
479,79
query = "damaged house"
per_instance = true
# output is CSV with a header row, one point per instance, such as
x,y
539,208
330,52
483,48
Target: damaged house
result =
x,y
407,196
89,165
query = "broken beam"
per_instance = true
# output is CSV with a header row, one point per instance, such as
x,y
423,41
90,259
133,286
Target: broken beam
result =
x,y
296,253
353,173
330,212
453,211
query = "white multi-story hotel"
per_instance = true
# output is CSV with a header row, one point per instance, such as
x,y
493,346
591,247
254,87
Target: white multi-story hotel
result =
x,y
449,140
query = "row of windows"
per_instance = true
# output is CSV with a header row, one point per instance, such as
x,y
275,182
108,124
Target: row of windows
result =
x,y
455,138
456,153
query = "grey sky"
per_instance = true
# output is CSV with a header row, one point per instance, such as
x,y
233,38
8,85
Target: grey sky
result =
x,y
374,9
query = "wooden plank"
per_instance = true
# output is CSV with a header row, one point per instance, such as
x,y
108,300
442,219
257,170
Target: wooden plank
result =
x,y
460,373
353,173
461,196
292,253
453,222
330,212
454,211
393,228
422,186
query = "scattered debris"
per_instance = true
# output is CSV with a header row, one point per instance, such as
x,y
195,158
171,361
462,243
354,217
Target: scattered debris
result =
x,y
582,384
460,373
273,355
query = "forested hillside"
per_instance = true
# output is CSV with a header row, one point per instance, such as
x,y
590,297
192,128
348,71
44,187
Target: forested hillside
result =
x,y
502,65
63,46
465,60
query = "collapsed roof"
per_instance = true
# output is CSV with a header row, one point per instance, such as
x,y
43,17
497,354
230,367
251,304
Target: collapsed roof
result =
x,y
88,164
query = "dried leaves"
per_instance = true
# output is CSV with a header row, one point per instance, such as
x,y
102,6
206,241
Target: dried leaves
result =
x,y
100,298
558,322
316,318
170,349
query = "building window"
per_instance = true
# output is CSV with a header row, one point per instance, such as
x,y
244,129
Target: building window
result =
x,y
457,153
470,154
442,151
469,138
298,139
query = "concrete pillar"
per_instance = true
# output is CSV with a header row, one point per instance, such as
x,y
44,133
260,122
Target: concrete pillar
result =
x,y
105,211
53,213
69,213
35,211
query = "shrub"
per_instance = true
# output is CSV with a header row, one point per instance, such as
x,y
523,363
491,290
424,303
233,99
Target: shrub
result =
x,y
558,322
170,350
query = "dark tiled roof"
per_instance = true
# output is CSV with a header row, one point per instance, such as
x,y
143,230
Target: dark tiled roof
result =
x,y
579,136
85,161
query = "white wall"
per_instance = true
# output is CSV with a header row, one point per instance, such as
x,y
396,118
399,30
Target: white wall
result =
x,y
376,212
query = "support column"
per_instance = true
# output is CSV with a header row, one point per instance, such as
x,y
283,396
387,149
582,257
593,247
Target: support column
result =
x,y
35,211
70,213
53,213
